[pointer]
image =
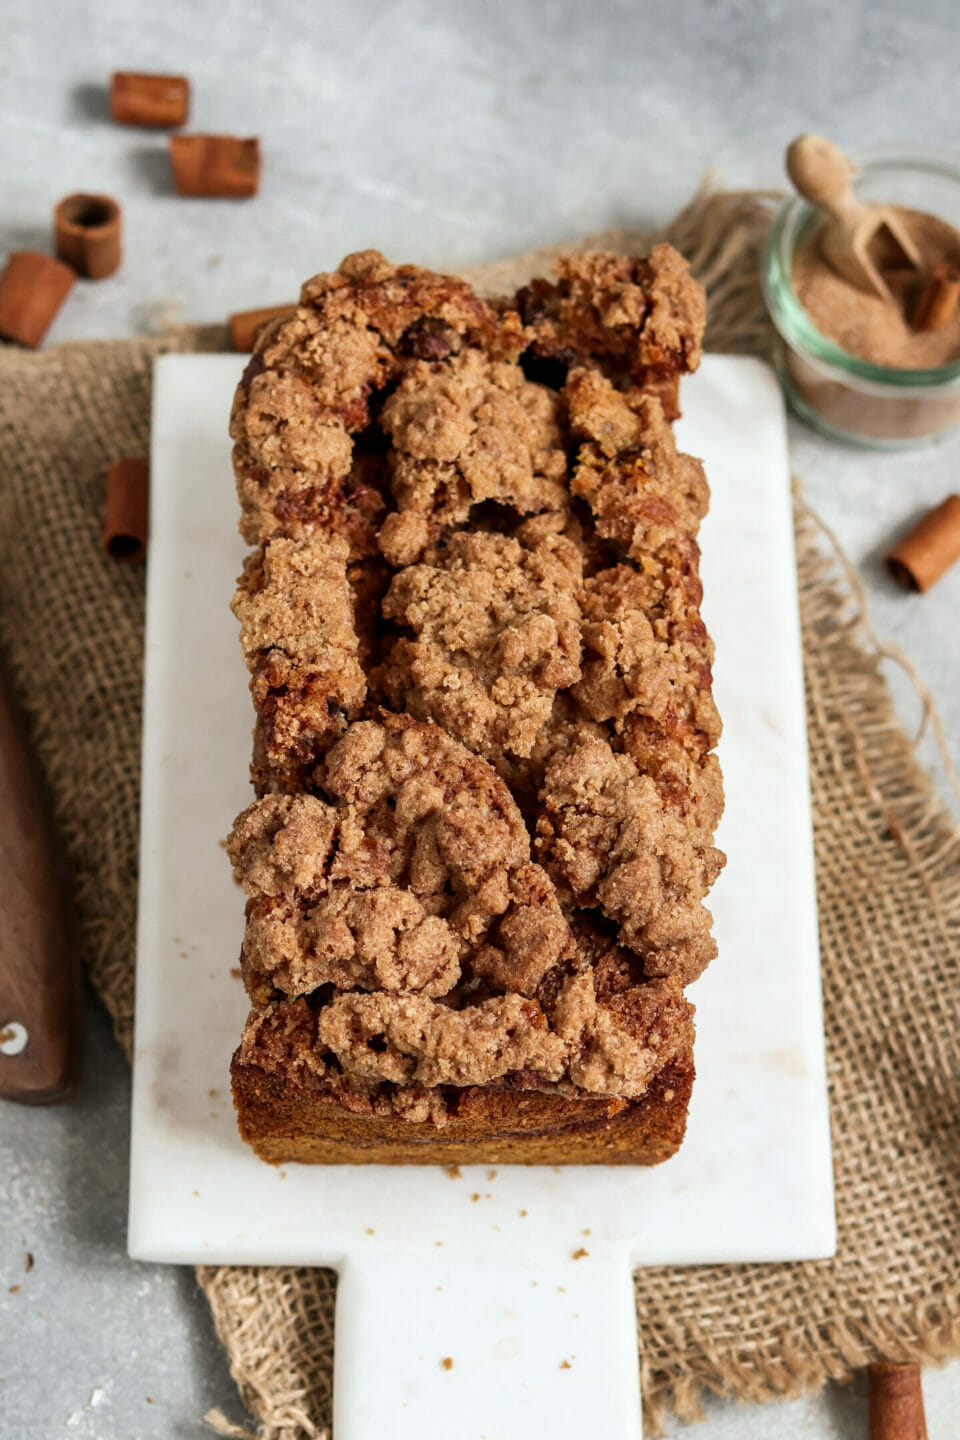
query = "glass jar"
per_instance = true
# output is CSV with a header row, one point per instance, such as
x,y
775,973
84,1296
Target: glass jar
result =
x,y
836,392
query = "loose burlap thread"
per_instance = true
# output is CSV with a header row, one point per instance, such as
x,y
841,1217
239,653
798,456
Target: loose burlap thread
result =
x,y
888,883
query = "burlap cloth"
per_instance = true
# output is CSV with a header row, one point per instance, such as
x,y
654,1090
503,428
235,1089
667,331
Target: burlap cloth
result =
x,y
888,871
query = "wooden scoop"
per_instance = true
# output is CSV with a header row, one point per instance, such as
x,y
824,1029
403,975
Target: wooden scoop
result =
x,y
821,173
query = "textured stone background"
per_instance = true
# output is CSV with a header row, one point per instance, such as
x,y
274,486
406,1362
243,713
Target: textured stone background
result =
x,y
444,133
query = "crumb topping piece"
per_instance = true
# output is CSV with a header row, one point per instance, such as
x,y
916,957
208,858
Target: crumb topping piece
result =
x,y
360,1042
646,650
282,844
641,319
467,430
379,939
417,872
496,634
418,1041
606,839
299,639
645,495
618,1045
309,386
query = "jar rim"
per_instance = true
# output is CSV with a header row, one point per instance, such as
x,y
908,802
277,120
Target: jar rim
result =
x,y
792,218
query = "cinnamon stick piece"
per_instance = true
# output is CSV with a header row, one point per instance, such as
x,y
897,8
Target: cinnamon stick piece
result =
x,y
244,324
157,101
896,1402
87,234
215,165
127,508
918,560
32,289
938,301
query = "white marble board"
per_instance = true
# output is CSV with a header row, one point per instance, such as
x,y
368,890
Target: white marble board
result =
x,y
426,1272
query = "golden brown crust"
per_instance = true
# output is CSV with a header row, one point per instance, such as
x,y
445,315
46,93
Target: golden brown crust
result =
x,y
510,1125
506,555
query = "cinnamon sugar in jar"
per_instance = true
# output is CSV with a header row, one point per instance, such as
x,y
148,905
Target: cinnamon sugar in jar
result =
x,y
901,388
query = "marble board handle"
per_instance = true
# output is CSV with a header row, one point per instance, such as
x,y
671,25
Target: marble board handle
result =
x,y
434,1345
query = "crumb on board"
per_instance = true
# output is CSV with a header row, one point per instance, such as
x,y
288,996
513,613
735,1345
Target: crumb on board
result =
x,y
235,972
370,1231
447,1362
580,1254
491,1174
28,1262
523,1212
565,1365
585,1232
438,1243
454,1172
14,1289
475,1195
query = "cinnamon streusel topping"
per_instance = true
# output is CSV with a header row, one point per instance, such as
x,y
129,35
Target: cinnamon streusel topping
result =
x,y
476,584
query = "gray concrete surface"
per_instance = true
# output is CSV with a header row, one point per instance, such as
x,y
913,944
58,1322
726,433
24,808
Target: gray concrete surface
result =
x,y
445,133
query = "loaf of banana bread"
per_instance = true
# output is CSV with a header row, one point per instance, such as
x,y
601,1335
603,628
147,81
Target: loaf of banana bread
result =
x,y
486,787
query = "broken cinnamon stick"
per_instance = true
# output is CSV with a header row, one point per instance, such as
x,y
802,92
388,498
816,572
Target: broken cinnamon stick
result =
x,y
896,1402
87,234
158,101
215,165
918,560
127,509
32,289
938,301
244,324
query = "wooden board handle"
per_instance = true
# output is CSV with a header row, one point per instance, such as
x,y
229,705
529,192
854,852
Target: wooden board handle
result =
x,y
38,975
